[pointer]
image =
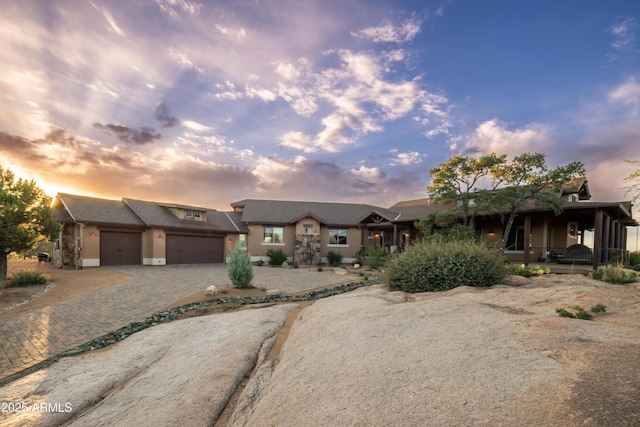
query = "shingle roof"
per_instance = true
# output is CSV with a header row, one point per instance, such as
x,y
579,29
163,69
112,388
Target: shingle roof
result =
x,y
131,212
287,212
413,210
158,215
95,210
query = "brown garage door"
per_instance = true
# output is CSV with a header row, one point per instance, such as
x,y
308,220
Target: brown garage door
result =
x,y
120,248
183,249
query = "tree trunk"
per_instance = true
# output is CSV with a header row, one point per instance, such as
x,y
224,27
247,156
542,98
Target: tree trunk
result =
x,y
507,231
3,266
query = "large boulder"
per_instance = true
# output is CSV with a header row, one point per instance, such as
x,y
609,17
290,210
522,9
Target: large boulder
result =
x,y
469,356
180,373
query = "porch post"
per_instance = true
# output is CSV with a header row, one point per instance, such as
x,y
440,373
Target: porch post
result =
x,y
618,235
624,237
606,228
597,238
526,241
612,234
395,235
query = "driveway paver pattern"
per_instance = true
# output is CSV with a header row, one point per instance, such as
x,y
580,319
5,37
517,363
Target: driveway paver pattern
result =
x,y
31,338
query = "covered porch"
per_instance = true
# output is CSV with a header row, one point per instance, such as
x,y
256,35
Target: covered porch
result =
x,y
584,234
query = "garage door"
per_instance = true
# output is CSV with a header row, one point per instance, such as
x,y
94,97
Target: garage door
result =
x,y
120,248
183,249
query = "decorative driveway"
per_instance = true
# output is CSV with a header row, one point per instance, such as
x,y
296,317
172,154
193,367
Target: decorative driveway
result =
x,y
29,339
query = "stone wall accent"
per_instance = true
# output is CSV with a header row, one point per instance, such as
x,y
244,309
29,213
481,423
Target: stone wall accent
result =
x,y
307,249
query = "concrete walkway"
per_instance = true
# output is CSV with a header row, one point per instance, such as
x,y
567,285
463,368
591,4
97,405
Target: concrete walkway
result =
x,y
31,338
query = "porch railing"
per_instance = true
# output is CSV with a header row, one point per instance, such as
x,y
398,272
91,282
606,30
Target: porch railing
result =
x,y
561,255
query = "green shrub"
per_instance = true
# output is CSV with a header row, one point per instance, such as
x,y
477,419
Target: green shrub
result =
x,y
28,277
522,270
334,258
581,313
276,257
240,269
634,259
562,312
377,256
613,274
442,265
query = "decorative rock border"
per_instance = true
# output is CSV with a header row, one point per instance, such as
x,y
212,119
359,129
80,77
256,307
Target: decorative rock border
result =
x,y
171,314
49,286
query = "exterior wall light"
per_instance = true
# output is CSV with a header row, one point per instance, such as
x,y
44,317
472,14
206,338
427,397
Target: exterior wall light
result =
x,y
92,234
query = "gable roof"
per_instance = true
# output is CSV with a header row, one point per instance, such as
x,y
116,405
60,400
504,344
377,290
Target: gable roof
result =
x,y
73,208
579,186
158,215
289,212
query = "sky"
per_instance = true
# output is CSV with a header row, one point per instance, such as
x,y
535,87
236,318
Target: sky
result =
x,y
211,102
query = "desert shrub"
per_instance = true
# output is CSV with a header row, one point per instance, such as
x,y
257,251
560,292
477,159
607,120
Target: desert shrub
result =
x,y
334,258
28,277
581,313
453,232
240,269
377,256
442,265
276,257
633,262
613,274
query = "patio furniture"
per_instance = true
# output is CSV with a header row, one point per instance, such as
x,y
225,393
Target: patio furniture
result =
x,y
574,254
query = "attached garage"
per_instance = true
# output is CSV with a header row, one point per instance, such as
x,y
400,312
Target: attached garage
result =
x,y
120,248
186,249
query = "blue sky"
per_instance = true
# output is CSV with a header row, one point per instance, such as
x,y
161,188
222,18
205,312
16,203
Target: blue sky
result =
x,y
212,102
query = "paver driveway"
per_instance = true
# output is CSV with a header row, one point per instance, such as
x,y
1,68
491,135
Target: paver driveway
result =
x,y
31,338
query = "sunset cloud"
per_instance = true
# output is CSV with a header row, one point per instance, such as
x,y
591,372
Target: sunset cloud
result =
x,y
162,114
388,32
492,136
211,102
139,136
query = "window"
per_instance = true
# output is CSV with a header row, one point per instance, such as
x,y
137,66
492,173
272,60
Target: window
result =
x,y
273,235
196,214
308,228
515,242
188,213
242,242
337,237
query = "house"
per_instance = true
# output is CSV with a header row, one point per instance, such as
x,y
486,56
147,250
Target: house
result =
x,y
551,238
307,231
128,231
99,232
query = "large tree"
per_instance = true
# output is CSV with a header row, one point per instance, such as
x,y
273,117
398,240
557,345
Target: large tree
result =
x,y
527,180
25,216
634,180
464,181
490,183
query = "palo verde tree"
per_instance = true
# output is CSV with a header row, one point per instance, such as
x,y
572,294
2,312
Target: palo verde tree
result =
x,y
25,216
460,181
634,180
528,180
